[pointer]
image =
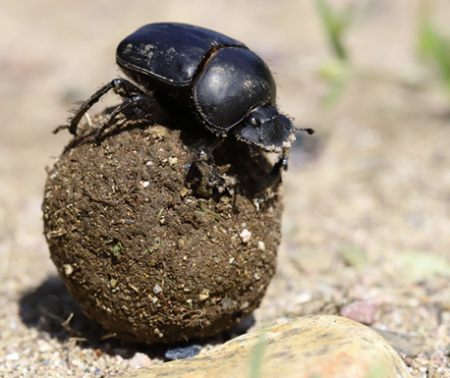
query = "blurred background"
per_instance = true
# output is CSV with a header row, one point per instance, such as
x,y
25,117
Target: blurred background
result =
x,y
367,198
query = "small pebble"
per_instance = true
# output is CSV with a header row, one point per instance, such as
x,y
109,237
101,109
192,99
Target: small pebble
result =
x,y
68,269
140,360
204,295
97,371
157,289
360,311
245,235
181,351
13,357
113,282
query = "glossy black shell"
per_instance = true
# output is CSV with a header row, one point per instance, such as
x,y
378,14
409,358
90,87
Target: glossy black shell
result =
x,y
216,77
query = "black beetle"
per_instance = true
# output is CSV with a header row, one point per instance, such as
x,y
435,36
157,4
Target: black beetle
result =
x,y
201,72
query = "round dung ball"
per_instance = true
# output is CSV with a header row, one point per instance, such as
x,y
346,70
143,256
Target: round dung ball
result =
x,y
152,250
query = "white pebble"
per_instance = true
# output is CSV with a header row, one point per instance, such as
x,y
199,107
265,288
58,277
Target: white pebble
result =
x,y
140,360
13,357
157,289
203,297
245,235
303,297
144,183
68,269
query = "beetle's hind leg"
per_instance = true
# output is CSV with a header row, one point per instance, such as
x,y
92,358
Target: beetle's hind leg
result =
x,y
143,102
122,87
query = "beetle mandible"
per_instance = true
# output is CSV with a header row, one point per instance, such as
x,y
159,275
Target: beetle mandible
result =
x,y
177,67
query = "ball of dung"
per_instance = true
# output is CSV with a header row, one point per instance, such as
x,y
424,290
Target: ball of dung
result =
x,y
149,249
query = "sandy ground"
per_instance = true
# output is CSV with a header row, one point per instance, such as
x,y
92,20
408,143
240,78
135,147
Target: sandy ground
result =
x,y
367,198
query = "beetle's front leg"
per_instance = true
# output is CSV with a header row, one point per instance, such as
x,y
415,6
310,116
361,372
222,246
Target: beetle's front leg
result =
x,y
274,176
280,166
205,163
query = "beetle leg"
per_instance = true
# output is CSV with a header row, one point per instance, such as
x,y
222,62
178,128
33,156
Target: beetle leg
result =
x,y
205,164
207,147
274,177
122,87
280,166
275,174
144,102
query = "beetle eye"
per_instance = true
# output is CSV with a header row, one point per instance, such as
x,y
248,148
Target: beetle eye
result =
x,y
252,121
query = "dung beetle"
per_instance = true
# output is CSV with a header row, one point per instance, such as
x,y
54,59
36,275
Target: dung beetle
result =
x,y
178,68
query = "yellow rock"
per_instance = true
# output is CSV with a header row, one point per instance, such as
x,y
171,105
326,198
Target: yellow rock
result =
x,y
320,346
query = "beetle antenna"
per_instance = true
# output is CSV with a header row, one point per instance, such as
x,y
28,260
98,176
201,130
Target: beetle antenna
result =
x,y
308,130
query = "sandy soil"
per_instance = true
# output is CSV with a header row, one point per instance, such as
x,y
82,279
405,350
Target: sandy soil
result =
x,y
367,198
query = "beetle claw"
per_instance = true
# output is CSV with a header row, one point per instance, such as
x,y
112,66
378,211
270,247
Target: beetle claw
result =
x,y
59,128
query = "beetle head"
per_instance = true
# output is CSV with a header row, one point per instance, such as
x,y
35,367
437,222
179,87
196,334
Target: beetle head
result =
x,y
266,128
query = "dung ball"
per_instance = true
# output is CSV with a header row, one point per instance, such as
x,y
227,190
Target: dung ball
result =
x,y
143,241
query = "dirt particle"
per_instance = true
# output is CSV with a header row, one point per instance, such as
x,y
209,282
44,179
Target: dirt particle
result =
x,y
157,289
68,269
173,160
245,235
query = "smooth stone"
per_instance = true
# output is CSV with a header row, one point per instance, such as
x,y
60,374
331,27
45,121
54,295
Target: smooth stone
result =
x,y
322,346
